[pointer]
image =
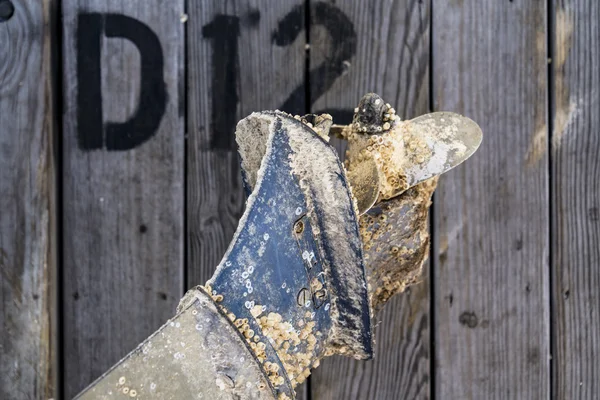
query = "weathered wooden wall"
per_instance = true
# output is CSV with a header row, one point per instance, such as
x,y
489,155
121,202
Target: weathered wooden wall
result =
x,y
120,188
28,212
122,178
575,199
390,57
491,285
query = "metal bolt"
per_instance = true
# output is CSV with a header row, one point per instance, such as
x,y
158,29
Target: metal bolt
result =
x,y
303,296
7,9
299,227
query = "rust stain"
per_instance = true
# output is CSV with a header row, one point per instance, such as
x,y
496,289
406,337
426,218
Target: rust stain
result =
x,y
444,244
420,292
565,107
538,143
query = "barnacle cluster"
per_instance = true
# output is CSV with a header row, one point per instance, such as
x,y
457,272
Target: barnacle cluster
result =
x,y
373,116
252,338
318,123
371,228
387,150
416,149
396,242
126,390
295,346
289,341
388,118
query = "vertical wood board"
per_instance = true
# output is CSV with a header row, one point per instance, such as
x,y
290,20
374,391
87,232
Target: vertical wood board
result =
x,y
388,47
234,68
576,200
123,178
27,203
491,278
241,58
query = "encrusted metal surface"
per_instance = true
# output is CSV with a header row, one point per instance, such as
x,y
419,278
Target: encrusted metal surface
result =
x,y
396,242
292,287
437,142
406,152
197,354
366,185
284,281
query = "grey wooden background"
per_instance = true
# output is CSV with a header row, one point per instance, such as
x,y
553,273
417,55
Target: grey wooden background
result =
x,y
99,238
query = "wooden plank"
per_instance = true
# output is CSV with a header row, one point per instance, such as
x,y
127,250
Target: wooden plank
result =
x,y
576,200
390,56
492,273
234,67
400,368
123,178
27,201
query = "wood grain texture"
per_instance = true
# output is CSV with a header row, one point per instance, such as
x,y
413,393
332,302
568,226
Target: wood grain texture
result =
x,y
27,203
492,273
576,200
261,75
123,209
391,58
234,67
400,369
